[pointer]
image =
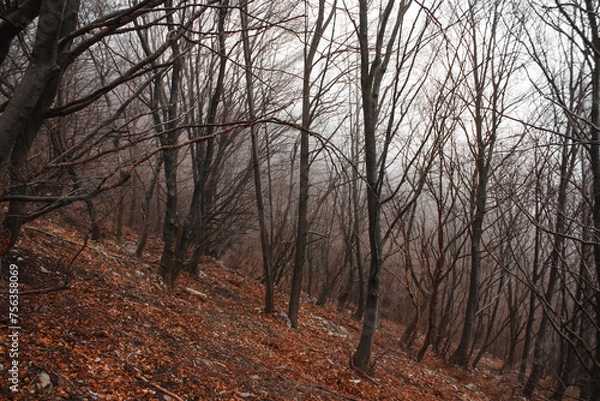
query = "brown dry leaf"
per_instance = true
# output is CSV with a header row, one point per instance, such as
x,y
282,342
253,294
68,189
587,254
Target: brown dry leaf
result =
x,y
116,325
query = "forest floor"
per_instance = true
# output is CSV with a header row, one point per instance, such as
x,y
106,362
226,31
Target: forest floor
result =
x,y
104,328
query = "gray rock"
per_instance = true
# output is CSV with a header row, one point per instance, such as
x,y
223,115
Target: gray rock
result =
x,y
44,383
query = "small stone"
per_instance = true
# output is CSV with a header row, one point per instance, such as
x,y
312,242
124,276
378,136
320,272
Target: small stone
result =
x,y
129,247
471,387
206,362
44,383
286,318
330,325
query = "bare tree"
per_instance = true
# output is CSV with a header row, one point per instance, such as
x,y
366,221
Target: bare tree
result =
x,y
264,239
61,41
374,62
568,159
490,64
308,105
574,91
204,154
16,20
24,114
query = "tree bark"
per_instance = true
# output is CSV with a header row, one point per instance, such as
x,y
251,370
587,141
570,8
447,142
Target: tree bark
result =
x,y
264,237
15,23
357,227
488,90
165,117
169,270
362,355
594,149
146,207
371,77
25,111
302,227
557,254
200,204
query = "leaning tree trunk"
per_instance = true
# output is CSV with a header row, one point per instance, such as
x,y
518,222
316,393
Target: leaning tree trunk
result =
x,y
25,112
15,22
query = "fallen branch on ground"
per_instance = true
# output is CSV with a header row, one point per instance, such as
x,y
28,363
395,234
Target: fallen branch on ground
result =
x,y
159,388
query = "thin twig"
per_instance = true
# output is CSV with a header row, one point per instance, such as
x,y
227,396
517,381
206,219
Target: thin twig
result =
x,y
46,290
159,388
140,375
362,373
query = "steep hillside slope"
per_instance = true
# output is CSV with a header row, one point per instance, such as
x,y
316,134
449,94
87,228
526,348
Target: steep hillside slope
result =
x,y
104,328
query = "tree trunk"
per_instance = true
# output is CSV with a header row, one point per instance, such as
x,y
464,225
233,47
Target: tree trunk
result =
x,y
371,77
120,217
264,237
171,223
362,355
302,228
349,258
166,124
535,278
556,256
594,149
14,23
200,203
355,242
146,208
461,354
357,227
432,316
513,329
24,114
